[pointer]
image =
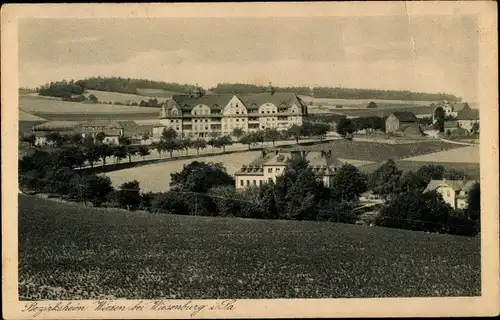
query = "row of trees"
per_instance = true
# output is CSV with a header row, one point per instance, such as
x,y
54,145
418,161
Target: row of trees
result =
x,y
61,89
252,88
347,93
128,85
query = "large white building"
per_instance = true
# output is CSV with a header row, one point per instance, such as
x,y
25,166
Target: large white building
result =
x,y
199,115
272,163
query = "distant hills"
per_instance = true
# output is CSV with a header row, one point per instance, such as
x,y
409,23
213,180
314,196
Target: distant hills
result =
x,y
161,88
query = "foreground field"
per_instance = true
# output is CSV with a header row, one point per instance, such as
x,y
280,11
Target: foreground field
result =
x,y
72,252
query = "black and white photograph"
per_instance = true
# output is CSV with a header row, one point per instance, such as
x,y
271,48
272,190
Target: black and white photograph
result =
x,y
188,160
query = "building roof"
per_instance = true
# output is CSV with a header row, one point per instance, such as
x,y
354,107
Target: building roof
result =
x,y
252,101
405,116
468,114
322,163
56,126
460,106
456,185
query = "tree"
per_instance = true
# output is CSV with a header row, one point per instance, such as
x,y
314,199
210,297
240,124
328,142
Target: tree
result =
x,y
385,180
76,138
295,131
201,177
430,172
169,134
100,137
214,134
199,144
130,150
415,210
345,127
159,147
128,195
92,154
412,181
238,133
96,188
229,203
475,127
222,142
248,139
372,105
54,138
439,116
348,183
454,174
185,144
171,145
333,211
474,203
271,134
143,151
119,154
30,139
320,129
92,98
104,151
69,157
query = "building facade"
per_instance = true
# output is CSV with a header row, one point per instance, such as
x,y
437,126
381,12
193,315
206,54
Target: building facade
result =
x,y
454,192
467,119
272,164
399,121
451,109
199,115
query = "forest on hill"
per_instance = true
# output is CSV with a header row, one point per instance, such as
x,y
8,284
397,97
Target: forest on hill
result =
x,y
126,85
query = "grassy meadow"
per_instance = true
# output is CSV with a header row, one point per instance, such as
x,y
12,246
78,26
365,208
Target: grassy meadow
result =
x,y
69,252
50,109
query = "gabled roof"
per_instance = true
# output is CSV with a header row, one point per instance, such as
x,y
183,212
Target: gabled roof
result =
x,y
284,99
468,114
250,100
460,106
456,185
405,116
187,102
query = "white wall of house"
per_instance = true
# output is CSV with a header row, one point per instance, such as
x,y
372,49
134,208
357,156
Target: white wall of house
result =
x,y
467,124
448,195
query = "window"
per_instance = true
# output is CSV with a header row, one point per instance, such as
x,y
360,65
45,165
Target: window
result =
x,y
278,170
270,170
260,182
255,182
237,120
242,182
270,179
248,182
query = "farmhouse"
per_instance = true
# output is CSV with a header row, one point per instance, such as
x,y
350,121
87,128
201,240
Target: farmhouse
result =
x,y
113,130
199,115
41,131
454,192
331,119
400,121
452,128
467,118
451,109
273,163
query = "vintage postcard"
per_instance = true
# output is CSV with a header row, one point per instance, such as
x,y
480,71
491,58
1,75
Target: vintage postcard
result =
x,y
250,160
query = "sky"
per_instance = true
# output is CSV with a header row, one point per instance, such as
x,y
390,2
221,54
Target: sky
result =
x,y
417,53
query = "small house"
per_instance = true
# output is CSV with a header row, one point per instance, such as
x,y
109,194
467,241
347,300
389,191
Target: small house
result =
x,y
399,120
454,192
467,118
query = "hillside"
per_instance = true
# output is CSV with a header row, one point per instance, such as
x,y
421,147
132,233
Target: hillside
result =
x,y
84,253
